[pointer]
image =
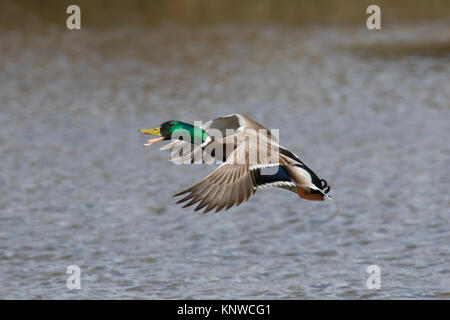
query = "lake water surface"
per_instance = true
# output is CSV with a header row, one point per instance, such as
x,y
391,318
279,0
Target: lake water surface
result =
x,y
368,111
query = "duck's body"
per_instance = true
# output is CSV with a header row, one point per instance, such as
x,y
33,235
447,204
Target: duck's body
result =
x,y
251,159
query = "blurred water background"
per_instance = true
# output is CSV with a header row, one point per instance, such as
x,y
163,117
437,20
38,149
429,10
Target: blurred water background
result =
x,y
367,110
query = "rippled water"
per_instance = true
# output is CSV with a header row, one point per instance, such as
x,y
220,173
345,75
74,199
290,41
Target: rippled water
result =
x,y
78,187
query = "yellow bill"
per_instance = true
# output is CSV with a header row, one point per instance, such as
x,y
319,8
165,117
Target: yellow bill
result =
x,y
153,132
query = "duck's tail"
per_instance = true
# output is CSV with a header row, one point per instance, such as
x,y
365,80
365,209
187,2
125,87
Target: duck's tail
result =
x,y
314,193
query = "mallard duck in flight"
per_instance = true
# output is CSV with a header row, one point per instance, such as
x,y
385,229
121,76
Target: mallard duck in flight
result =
x,y
251,158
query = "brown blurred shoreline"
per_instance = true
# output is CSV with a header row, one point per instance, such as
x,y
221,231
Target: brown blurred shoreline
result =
x,y
101,13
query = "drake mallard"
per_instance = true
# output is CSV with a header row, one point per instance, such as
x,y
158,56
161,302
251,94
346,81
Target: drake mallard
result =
x,y
249,161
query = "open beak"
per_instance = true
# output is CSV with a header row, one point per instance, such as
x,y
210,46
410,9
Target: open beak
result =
x,y
153,132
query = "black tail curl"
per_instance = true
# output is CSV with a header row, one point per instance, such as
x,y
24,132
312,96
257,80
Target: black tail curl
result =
x,y
325,187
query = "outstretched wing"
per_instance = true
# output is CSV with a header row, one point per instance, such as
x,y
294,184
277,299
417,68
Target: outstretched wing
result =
x,y
228,185
231,183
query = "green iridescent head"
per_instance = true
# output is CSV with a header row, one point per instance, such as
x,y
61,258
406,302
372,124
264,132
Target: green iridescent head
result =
x,y
177,130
